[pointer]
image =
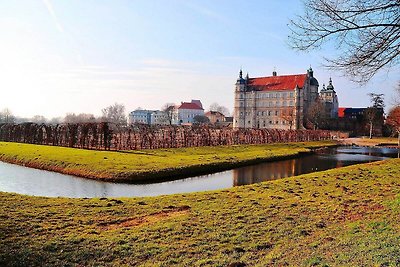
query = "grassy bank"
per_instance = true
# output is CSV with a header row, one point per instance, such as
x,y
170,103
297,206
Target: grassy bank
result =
x,y
376,141
341,217
147,164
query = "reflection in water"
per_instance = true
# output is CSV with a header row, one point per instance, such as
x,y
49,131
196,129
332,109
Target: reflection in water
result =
x,y
14,178
323,160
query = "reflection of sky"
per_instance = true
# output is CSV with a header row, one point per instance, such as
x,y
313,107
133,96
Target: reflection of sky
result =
x,y
14,178
18,179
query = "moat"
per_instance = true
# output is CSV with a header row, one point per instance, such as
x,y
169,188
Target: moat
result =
x,y
22,180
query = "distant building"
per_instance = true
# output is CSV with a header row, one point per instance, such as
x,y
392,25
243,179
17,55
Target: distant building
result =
x,y
186,111
279,102
355,121
215,117
330,100
274,101
351,113
150,117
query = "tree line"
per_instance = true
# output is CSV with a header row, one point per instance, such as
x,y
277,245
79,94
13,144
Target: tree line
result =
x,y
111,136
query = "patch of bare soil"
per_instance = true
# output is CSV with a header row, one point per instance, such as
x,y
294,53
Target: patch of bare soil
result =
x,y
169,212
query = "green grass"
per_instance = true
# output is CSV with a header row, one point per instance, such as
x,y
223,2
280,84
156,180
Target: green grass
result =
x,y
340,217
147,164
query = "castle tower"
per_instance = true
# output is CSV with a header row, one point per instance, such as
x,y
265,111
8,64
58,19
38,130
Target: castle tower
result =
x,y
240,101
330,100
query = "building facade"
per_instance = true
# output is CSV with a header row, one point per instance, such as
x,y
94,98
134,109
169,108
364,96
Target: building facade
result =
x,y
151,117
187,111
278,102
215,117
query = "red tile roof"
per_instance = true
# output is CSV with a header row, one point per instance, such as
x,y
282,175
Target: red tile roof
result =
x,y
341,112
188,105
284,82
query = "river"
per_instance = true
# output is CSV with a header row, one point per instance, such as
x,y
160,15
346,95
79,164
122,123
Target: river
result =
x,y
23,180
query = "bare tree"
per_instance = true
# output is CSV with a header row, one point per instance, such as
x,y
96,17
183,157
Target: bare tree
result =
x,y
115,114
396,97
169,108
55,120
375,112
393,120
39,119
316,114
6,116
367,32
80,118
222,109
288,115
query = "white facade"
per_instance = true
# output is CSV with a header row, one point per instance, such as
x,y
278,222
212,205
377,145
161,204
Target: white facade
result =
x,y
151,117
187,111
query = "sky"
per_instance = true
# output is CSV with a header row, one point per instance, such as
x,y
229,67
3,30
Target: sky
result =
x,y
59,56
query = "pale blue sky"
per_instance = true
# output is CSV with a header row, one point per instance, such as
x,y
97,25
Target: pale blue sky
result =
x,y
59,56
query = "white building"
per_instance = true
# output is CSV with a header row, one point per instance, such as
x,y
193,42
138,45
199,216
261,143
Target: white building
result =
x,y
151,117
186,111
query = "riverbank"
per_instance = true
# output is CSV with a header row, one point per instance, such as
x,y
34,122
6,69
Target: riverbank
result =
x,y
365,141
149,165
341,217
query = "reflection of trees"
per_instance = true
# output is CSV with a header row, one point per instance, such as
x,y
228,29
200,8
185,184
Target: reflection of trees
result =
x,y
116,137
265,172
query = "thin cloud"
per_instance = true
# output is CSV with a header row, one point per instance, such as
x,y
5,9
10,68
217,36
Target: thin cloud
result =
x,y
49,7
206,12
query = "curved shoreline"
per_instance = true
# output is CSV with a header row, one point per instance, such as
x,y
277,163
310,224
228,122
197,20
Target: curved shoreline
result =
x,y
167,174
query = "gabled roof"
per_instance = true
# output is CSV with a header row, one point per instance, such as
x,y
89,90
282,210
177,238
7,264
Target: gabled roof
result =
x,y
209,113
283,82
189,105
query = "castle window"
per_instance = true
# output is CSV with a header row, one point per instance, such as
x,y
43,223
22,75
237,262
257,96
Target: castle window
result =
x,y
269,113
277,122
284,103
291,103
276,113
291,94
284,95
278,104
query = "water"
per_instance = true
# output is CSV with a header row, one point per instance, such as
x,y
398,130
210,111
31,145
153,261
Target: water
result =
x,y
23,180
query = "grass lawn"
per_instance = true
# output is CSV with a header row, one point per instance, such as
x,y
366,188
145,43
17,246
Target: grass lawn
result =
x,y
147,164
341,217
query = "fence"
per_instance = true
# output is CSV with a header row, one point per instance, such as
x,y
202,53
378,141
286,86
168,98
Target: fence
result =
x,y
108,136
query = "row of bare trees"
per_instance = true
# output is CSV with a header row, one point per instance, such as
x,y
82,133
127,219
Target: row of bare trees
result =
x,y
113,137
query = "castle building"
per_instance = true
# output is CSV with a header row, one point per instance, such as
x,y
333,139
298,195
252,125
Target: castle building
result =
x,y
278,102
329,98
